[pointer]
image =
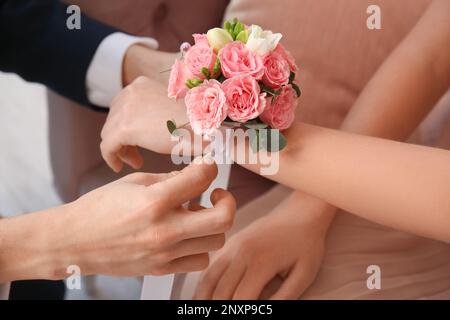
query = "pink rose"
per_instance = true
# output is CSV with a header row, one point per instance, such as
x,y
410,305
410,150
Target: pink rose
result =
x,y
200,56
287,56
244,98
237,60
206,107
276,70
280,111
200,38
179,74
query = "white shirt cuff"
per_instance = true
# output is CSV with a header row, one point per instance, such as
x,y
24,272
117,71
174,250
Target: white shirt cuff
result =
x,y
104,75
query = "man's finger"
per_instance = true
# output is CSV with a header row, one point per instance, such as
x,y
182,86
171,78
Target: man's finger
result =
x,y
147,179
197,245
189,183
192,263
195,207
223,200
218,219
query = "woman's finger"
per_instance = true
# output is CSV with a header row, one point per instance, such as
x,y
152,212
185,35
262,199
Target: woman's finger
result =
x,y
209,279
252,283
109,153
131,156
229,281
294,285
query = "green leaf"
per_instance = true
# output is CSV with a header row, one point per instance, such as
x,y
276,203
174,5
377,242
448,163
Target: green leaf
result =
x,y
216,68
192,83
230,123
291,77
282,142
189,84
172,127
221,78
206,73
297,89
234,28
254,140
242,36
227,25
269,90
255,125
238,28
265,140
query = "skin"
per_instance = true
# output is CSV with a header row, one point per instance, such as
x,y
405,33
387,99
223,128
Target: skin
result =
x,y
139,60
133,226
399,185
420,61
286,247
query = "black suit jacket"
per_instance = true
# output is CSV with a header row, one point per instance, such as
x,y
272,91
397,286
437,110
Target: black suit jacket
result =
x,y
36,44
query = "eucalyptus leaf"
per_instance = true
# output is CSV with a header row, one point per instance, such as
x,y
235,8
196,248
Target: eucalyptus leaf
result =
x,y
269,90
291,77
172,127
297,89
266,141
255,126
254,140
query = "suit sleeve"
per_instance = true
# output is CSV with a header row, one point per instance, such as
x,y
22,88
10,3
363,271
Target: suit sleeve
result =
x,y
36,44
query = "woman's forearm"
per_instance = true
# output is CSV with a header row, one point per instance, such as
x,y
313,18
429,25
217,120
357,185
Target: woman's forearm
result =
x,y
400,185
410,66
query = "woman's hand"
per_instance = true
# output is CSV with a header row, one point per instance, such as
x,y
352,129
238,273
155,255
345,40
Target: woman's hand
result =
x,y
133,226
288,243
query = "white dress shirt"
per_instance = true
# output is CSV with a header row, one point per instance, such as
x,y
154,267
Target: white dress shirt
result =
x,y
104,75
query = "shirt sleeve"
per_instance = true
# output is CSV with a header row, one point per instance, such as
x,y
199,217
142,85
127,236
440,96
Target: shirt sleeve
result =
x,y
104,75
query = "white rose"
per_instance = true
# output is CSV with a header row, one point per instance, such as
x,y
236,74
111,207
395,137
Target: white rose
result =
x,y
262,42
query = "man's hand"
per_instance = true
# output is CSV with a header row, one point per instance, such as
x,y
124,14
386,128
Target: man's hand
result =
x,y
288,244
137,118
131,227
137,225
